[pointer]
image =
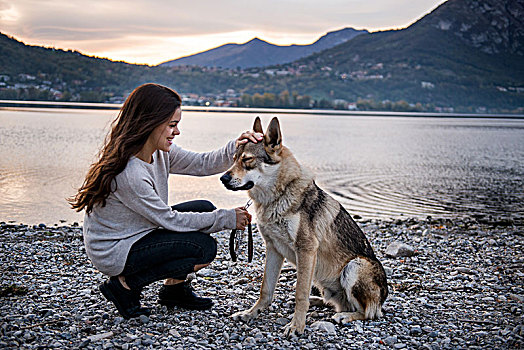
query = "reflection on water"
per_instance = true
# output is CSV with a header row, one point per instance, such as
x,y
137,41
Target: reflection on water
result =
x,y
376,166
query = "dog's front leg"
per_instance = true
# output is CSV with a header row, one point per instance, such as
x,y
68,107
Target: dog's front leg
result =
x,y
271,273
306,261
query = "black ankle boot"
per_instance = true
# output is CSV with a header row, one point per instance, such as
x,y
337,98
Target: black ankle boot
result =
x,y
182,295
127,302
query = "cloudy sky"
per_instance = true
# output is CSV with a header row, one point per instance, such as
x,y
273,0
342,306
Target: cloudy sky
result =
x,y
154,31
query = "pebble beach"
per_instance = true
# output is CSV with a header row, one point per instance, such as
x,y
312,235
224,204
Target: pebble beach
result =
x,y
453,284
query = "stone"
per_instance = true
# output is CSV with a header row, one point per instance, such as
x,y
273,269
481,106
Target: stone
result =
x,y
391,340
282,321
147,342
398,249
324,326
415,330
174,333
249,341
466,270
207,273
100,336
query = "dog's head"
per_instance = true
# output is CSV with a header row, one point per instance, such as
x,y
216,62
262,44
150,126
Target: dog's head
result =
x,y
256,163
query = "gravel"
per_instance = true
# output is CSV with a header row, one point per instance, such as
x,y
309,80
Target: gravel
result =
x,y
463,289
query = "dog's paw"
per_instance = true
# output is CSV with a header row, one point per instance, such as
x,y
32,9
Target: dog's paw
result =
x,y
341,318
347,317
246,316
293,329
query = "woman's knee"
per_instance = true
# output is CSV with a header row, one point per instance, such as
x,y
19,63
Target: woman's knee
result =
x,y
199,205
205,205
209,249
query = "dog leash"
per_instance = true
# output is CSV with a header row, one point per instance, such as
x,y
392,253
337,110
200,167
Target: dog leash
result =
x,y
236,237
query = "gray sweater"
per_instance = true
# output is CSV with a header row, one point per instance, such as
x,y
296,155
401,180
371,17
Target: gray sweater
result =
x,y
138,205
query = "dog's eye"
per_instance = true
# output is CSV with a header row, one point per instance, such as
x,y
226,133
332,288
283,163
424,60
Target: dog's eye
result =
x,y
247,159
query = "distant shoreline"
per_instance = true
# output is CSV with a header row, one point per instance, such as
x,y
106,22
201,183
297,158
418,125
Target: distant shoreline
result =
x,y
109,106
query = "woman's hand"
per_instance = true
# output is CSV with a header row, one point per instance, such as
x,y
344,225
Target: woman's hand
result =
x,y
243,218
247,136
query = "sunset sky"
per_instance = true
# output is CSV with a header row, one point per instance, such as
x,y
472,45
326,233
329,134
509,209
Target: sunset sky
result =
x,y
155,31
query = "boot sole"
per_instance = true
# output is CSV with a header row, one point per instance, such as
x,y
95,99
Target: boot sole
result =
x,y
171,304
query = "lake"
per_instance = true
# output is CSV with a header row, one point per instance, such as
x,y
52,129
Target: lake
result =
x,y
376,166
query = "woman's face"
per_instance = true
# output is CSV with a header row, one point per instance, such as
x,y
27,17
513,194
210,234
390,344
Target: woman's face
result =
x,y
162,136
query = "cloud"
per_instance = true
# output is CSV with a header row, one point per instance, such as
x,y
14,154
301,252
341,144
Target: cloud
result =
x,y
120,27
7,12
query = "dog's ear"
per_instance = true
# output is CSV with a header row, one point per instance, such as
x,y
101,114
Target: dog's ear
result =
x,y
273,137
257,126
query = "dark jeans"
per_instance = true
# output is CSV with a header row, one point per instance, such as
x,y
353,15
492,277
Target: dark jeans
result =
x,y
165,254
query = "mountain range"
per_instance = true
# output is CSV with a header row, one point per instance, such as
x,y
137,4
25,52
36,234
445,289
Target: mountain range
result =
x,y
259,53
465,54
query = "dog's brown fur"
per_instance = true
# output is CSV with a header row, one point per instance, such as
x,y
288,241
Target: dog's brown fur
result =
x,y
306,226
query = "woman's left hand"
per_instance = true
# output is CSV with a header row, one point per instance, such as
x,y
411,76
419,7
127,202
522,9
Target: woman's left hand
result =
x,y
247,136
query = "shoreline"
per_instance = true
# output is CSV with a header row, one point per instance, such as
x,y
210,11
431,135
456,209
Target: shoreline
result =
x,y
474,219
463,288
17,104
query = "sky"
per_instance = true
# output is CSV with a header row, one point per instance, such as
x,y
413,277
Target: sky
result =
x,y
155,31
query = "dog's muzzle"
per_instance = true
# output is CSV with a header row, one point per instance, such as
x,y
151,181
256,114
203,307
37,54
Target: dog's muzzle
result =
x,y
226,180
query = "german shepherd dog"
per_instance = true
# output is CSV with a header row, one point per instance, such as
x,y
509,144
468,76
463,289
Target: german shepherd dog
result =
x,y
303,224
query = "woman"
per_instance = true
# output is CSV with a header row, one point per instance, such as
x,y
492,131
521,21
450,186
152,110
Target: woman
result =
x,y
130,232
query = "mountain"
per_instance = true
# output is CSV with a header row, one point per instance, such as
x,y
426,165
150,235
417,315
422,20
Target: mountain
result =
x,y
259,53
19,58
493,27
465,54
40,73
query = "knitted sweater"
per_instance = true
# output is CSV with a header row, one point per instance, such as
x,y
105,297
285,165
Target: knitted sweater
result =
x,y
138,205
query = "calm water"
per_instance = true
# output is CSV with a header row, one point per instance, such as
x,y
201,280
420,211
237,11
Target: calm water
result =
x,y
378,167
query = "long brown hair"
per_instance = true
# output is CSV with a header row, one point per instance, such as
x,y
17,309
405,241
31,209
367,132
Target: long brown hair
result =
x,y
148,106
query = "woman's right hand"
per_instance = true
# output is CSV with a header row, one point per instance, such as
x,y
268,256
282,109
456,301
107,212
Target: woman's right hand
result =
x,y
243,218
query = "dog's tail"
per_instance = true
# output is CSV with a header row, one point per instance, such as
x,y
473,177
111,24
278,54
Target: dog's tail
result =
x,y
365,283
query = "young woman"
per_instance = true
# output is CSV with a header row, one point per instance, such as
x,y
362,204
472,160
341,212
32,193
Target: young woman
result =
x,y
130,232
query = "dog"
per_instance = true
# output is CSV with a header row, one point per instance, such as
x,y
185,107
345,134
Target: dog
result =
x,y
303,224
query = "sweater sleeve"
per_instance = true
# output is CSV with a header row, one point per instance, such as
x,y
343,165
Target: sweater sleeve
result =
x,y
186,162
139,195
